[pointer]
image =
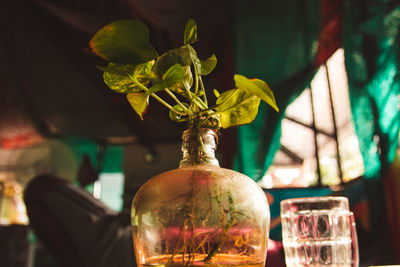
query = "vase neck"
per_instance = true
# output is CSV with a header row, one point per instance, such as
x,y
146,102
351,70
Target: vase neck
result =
x,y
198,147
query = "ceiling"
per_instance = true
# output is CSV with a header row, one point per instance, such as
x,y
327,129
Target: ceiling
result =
x,y
51,87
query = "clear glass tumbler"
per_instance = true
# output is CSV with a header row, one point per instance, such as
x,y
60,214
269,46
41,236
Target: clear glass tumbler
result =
x,y
319,231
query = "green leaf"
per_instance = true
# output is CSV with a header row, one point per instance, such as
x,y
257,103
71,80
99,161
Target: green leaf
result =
x,y
216,93
168,59
203,67
184,84
190,34
208,65
118,77
174,74
144,70
237,107
112,69
139,102
170,78
124,42
256,87
187,80
175,114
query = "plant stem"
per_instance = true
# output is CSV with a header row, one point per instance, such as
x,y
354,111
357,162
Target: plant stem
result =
x,y
196,83
211,115
165,103
159,99
197,101
204,91
171,94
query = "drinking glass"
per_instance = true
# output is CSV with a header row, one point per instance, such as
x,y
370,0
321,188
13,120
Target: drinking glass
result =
x,y
319,231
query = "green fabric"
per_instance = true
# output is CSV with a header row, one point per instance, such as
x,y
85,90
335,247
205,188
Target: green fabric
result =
x,y
275,41
372,50
112,161
372,61
371,43
286,62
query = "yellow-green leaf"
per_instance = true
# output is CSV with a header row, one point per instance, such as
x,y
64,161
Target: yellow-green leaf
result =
x,y
237,107
256,87
190,34
176,113
171,77
118,77
167,60
216,93
203,67
139,102
174,74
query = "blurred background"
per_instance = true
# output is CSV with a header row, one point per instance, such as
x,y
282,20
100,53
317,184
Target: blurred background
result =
x,y
333,66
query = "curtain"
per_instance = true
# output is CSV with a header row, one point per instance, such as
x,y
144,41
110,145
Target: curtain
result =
x,y
275,41
372,47
280,43
372,50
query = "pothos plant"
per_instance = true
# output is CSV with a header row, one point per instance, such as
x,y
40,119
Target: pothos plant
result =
x,y
137,70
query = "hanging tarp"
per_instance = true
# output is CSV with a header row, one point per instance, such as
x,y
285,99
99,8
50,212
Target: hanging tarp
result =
x,y
372,51
276,41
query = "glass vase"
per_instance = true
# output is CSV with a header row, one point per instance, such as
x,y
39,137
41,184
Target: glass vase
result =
x,y
200,214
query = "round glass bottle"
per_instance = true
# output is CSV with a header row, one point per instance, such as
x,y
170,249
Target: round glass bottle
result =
x,y
200,214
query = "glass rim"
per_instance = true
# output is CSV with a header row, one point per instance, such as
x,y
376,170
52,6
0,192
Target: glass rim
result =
x,y
313,200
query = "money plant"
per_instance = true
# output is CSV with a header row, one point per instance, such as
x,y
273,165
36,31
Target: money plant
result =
x,y
136,69
175,79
